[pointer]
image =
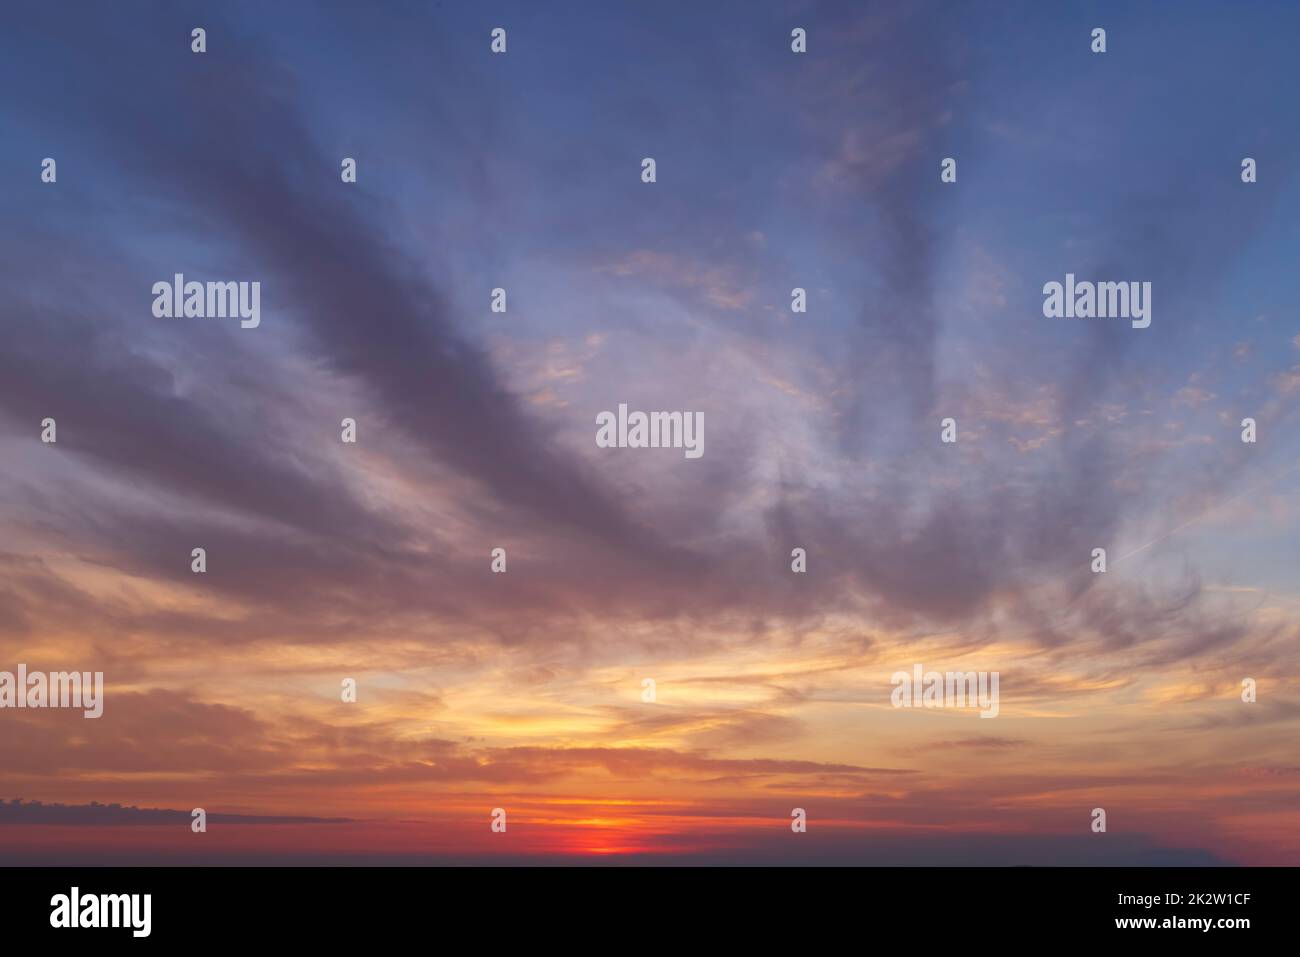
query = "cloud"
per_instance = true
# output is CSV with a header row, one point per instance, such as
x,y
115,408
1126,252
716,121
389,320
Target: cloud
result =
x,y
776,170
34,813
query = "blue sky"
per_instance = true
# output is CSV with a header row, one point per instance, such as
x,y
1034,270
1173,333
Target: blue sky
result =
x,y
774,170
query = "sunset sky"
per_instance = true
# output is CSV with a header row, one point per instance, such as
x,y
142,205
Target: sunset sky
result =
x,y
476,430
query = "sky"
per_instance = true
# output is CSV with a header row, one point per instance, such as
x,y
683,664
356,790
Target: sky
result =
x,y
523,690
